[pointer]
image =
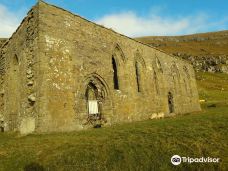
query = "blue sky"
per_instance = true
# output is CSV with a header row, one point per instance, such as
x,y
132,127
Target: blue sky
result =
x,y
132,17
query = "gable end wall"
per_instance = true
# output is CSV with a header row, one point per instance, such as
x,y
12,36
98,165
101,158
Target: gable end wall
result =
x,y
19,73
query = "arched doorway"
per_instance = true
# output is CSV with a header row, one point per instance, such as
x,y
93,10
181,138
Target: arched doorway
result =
x,y
93,87
95,98
92,99
170,103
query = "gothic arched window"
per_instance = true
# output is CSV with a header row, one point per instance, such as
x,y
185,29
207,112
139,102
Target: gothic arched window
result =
x,y
138,76
115,74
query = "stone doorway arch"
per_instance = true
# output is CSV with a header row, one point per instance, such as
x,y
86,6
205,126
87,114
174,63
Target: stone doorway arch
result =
x,y
93,99
97,102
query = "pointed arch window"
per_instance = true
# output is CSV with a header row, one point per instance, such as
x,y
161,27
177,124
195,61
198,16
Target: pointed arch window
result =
x,y
138,76
158,65
115,74
156,82
140,65
15,60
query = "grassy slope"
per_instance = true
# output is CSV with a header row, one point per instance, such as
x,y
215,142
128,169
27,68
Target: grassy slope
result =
x,y
146,145
204,44
213,87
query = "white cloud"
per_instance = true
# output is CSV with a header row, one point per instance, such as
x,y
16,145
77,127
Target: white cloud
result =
x,y
130,24
9,21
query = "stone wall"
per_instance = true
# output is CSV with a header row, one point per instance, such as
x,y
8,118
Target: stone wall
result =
x,y
56,61
19,66
2,41
75,55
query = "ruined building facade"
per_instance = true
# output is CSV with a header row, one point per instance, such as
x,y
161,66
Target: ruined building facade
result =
x,y
56,63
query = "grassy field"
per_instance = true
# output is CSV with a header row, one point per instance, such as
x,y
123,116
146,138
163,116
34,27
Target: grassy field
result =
x,y
213,87
146,145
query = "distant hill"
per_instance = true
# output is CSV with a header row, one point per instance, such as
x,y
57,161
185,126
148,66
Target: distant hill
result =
x,y
206,51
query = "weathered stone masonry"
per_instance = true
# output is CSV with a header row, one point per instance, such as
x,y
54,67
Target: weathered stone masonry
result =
x,y
57,61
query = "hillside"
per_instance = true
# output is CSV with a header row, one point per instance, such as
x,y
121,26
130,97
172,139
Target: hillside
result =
x,y
144,145
206,51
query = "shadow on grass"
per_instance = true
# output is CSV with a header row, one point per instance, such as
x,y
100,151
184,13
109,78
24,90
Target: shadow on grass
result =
x,y
34,167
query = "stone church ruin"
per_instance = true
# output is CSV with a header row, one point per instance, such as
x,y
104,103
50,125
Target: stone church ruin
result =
x,y
61,72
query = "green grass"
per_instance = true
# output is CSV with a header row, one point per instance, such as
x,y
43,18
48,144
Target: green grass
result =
x,y
146,145
213,87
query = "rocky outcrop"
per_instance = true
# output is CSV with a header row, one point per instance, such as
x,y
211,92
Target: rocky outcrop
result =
x,y
207,52
206,63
